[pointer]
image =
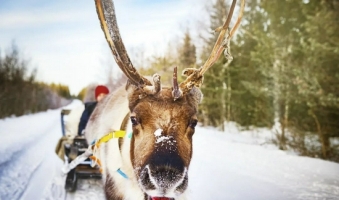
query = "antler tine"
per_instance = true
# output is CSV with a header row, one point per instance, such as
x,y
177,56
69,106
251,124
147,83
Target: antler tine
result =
x,y
106,13
220,44
237,23
195,76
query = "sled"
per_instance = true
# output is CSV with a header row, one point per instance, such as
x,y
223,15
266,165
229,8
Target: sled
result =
x,y
72,147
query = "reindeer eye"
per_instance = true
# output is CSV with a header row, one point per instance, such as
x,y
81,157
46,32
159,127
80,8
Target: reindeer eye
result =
x,y
193,123
134,121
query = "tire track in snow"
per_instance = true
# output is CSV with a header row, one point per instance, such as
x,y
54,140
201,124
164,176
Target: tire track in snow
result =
x,y
19,137
23,163
87,190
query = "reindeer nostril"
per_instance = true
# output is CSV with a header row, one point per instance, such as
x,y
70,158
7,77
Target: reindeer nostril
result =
x,y
183,186
145,179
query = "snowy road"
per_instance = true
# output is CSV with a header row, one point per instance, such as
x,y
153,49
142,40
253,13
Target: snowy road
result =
x,y
28,162
224,166
88,189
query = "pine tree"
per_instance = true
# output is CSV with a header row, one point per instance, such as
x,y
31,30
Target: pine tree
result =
x,y
20,93
318,83
289,61
213,107
187,52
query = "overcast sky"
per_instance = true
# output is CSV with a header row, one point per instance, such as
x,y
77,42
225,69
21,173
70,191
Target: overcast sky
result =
x,y
64,41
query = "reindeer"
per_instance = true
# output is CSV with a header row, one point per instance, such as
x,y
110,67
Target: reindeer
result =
x,y
152,160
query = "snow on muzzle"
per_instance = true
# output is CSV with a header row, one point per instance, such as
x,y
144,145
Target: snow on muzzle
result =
x,y
165,174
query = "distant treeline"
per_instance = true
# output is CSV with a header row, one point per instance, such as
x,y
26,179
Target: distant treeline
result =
x,y
20,93
285,72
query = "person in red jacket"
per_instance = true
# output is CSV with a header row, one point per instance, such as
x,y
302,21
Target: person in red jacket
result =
x,y
100,92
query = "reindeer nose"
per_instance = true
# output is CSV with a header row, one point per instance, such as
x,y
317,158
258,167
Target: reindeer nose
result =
x,y
164,179
165,172
162,158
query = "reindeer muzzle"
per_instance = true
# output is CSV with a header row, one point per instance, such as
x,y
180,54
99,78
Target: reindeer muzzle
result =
x,y
165,175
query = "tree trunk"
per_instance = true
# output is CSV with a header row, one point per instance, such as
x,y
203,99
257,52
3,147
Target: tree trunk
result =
x,y
229,90
276,107
226,94
223,107
325,143
285,123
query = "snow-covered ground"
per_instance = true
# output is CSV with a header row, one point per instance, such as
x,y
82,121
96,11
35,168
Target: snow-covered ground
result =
x,y
233,165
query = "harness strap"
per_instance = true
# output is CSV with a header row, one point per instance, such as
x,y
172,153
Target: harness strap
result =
x,y
96,144
123,127
108,136
122,173
89,153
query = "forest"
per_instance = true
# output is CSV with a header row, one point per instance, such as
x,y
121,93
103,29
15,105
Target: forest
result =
x,y
21,93
284,75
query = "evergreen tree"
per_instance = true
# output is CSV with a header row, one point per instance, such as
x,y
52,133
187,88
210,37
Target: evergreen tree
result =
x,y
213,107
20,94
317,82
284,74
187,52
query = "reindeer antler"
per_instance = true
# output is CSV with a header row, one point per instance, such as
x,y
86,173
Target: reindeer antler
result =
x,y
108,21
109,25
195,76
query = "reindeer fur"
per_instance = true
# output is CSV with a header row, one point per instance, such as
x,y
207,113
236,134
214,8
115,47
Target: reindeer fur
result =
x,y
107,117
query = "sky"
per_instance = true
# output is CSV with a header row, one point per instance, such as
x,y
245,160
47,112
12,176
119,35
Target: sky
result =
x,y
63,40
237,164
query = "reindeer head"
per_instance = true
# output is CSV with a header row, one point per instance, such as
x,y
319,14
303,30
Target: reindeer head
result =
x,y
163,118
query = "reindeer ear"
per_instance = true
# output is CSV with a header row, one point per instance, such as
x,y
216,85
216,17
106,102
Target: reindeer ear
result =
x,y
196,96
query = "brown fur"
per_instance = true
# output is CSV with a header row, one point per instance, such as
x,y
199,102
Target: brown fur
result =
x,y
169,160
110,190
161,111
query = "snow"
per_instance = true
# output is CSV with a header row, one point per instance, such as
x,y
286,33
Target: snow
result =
x,y
27,146
237,164
230,168
162,139
158,132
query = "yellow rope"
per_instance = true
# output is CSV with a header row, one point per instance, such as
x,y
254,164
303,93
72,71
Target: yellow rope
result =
x,y
110,135
105,139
